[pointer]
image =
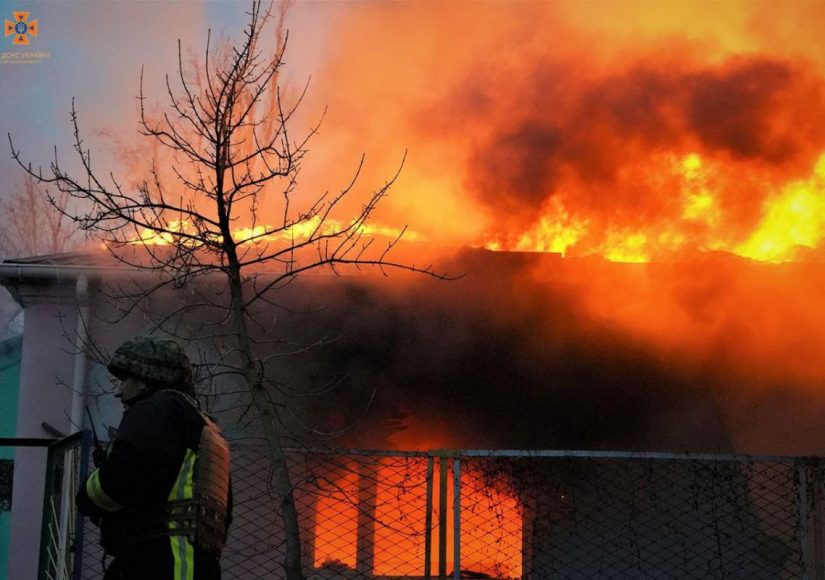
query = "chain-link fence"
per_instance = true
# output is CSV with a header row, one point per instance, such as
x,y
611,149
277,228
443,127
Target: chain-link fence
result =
x,y
596,515
525,514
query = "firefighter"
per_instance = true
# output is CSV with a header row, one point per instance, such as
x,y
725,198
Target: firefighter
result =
x,y
161,493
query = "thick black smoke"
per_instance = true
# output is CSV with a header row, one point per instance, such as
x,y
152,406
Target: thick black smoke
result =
x,y
561,129
495,360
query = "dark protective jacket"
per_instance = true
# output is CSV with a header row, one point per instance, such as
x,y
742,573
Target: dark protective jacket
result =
x,y
151,465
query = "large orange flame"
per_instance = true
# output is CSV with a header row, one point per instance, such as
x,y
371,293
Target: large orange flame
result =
x,y
265,234
654,134
792,223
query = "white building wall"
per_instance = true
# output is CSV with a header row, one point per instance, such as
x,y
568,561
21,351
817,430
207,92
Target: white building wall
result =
x,y
46,362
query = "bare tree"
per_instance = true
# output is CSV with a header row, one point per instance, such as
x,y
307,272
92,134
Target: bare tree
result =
x,y
31,226
231,211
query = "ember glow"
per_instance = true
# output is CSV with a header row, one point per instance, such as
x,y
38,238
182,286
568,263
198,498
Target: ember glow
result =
x,y
491,533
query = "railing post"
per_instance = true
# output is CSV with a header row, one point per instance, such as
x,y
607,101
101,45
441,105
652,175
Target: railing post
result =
x,y
60,520
46,528
818,507
367,491
457,518
83,471
442,518
428,522
802,474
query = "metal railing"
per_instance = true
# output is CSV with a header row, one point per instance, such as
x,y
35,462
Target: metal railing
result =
x,y
525,514
61,529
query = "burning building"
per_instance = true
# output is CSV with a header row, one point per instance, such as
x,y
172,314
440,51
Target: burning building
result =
x,y
511,356
645,212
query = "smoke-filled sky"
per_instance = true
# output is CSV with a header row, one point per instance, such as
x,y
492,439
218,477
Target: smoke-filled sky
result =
x,y
645,132
636,131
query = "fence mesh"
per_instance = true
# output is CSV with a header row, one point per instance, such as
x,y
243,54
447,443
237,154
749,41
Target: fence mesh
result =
x,y
92,560
524,515
581,518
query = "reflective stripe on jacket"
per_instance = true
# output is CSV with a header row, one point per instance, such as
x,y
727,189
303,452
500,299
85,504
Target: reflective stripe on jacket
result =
x,y
149,472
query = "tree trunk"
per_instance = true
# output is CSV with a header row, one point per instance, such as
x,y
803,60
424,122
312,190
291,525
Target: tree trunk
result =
x,y
266,414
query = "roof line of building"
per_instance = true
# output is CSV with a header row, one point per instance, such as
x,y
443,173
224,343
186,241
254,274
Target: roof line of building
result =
x,y
16,272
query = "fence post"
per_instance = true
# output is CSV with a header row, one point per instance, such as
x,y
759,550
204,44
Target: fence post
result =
x,y
442,518
59,520
428,522
457,518
48,530
817,515
802,473
45,525
77,546
365,528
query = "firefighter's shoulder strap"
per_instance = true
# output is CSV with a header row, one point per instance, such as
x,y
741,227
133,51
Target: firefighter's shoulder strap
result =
x,y
210,498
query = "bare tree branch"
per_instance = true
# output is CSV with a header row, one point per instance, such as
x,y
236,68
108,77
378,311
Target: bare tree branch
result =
x,y
222,151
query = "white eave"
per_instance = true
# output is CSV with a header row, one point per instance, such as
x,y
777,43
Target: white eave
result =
x,y
55,270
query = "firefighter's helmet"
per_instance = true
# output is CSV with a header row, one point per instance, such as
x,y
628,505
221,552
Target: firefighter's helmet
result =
x,y
157,361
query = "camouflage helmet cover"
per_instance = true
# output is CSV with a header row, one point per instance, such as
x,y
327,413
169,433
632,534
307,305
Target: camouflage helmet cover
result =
x,y
156,360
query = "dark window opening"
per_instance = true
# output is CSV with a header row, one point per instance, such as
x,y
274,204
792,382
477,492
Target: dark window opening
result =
x,y
6,477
